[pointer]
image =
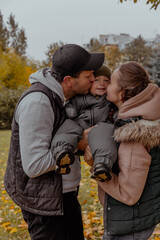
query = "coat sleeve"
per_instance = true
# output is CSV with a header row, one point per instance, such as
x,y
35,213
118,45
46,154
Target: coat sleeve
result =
x,y
71,108
35,117
134,162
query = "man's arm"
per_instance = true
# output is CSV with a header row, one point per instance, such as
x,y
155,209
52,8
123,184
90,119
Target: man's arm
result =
x,y
134,162
35,117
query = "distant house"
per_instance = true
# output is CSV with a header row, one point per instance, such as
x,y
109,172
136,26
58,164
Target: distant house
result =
x,y
121,41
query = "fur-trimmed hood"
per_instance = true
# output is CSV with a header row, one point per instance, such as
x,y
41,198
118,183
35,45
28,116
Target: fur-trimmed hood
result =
x,y
143,131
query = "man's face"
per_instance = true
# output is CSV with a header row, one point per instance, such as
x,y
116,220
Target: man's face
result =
x,y
82,83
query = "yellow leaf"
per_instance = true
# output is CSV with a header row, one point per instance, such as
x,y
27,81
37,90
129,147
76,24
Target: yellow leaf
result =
x,y
23,225
88,232
11,207
84,202
13,230
5,224
157,238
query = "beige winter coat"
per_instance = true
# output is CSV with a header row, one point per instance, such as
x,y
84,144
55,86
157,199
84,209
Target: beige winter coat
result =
x,y
135,139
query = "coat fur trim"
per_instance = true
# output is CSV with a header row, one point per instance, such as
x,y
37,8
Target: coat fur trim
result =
x,y
143,131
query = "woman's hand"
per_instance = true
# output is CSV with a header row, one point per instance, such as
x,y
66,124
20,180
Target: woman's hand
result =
x,y
88,156
84,141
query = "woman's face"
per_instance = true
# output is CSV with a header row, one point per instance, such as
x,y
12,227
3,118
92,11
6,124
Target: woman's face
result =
x,y
115,93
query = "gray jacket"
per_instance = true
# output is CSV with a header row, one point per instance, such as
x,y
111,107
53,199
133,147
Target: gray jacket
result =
x,y
88,110
37,158
41,195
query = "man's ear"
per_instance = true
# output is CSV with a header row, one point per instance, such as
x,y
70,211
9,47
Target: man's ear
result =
x,y
68,80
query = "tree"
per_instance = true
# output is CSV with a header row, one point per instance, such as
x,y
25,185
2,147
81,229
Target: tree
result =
x,y
12,37
8,101
49,53
14,71
93,46
154,66
154,3
138,51
113,57
4,35
18,40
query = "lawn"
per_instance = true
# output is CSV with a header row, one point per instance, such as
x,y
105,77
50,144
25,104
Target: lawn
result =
x,y
12,225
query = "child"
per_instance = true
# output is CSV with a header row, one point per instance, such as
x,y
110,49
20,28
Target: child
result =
x,y
83,112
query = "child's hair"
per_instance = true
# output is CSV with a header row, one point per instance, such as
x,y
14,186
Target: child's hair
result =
x,y
133,78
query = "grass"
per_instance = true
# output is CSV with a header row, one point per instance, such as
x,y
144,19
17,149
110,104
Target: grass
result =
x,y
12,225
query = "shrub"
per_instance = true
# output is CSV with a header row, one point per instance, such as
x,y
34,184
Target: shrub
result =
x,y
8,101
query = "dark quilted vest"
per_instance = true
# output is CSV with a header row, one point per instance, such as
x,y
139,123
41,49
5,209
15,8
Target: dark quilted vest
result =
x,y
41,195
124,219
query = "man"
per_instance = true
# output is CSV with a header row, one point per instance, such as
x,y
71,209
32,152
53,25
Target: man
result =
x,y
48,200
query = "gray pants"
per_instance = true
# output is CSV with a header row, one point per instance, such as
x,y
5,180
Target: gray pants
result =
x,y
100,138
143,235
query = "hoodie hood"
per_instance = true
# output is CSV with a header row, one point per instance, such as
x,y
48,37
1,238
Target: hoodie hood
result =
x,y
145,104
146,130
44,76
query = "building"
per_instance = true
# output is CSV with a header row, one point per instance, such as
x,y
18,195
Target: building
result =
x,y
121,41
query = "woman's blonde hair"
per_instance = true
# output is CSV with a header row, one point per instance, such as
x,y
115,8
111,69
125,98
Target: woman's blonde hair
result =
x,y
133,78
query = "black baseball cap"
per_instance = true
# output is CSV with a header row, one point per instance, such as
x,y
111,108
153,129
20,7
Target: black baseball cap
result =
x,y
72,58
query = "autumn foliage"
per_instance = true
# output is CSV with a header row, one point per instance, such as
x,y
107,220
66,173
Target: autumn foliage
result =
x,y
15,68
14,77
153,3
14,71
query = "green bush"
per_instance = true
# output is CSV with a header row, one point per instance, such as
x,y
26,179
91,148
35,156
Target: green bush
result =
x,y
8,101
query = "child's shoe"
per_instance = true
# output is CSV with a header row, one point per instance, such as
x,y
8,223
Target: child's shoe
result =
x,y
64,159
101,172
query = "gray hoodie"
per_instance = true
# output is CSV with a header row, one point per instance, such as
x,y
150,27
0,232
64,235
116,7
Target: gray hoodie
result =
x,y
35,117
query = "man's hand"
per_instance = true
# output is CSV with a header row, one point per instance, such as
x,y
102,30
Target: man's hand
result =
x,y
88,156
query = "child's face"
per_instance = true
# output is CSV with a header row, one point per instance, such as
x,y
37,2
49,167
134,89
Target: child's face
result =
x,y
99,86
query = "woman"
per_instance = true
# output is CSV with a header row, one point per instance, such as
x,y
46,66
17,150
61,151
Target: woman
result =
x,y
132,199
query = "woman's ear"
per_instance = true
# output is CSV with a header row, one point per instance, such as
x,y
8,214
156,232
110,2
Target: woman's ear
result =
x,y
122,95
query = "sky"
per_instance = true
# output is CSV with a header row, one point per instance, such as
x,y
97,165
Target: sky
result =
x,y
77,21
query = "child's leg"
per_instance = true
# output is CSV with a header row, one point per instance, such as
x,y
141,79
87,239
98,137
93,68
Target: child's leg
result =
x,y
64,144
103,149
